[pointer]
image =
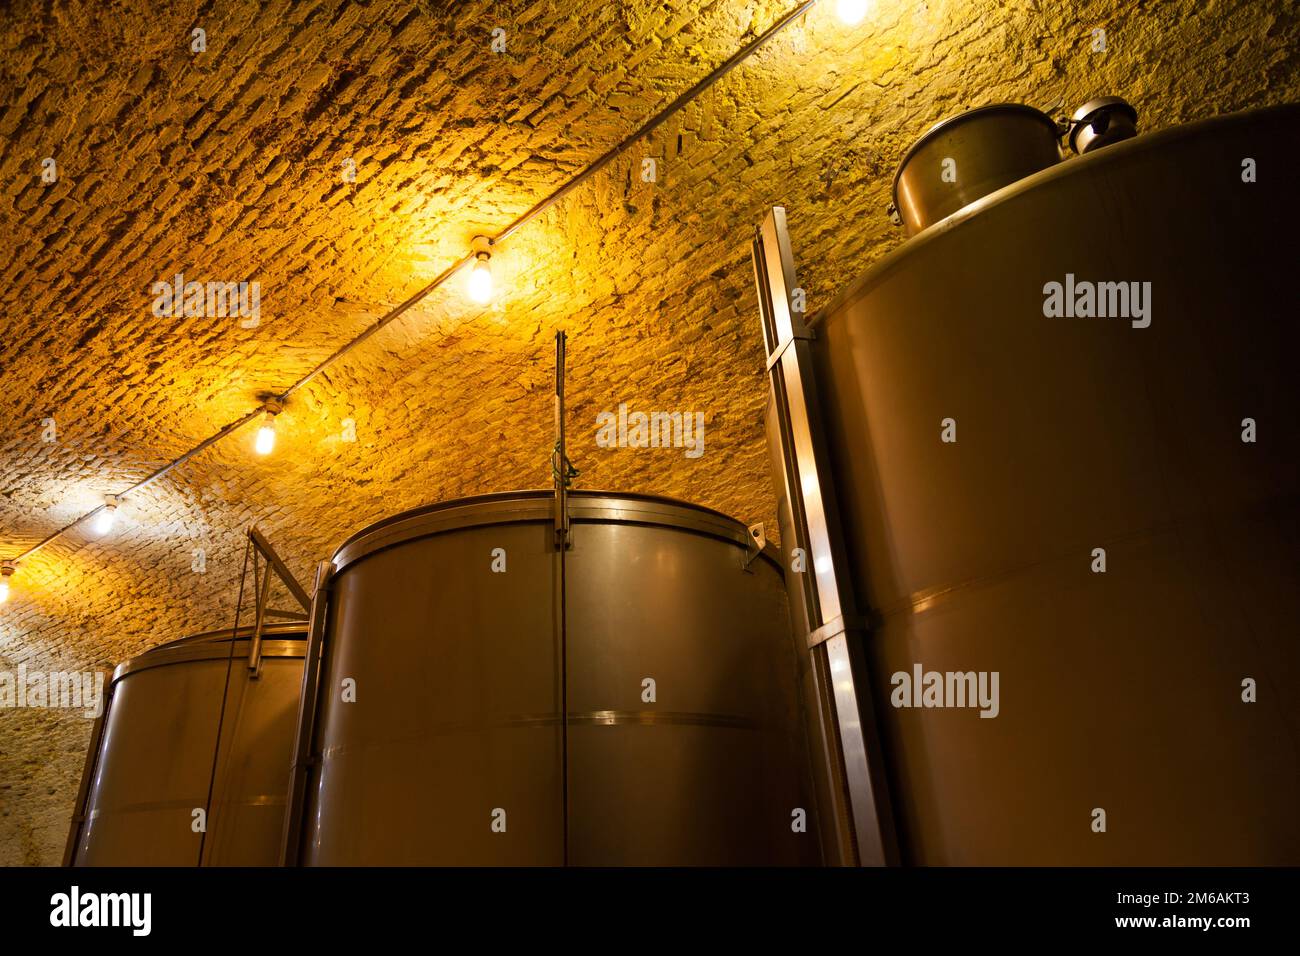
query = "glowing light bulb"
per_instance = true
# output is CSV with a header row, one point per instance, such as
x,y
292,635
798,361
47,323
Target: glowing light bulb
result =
x,y
480,279
265,442
4,589
107,517
851,12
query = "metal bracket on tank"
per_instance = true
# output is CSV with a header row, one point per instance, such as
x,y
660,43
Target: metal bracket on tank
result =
x,y
757,542
832,629
276,564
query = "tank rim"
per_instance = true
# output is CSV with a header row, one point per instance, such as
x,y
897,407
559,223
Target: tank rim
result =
x,y
282,639
224,633
535,505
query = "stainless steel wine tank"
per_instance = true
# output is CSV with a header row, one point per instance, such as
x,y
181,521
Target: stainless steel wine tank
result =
x,y
151,762
1162,447
456,640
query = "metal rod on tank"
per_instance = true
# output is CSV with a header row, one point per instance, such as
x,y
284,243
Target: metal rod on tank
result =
x,y
560,466
855,820
563,473
255,643
225,697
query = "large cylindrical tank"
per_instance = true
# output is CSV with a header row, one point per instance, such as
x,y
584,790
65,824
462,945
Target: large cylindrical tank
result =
x,y
458,637
1147,694
156,758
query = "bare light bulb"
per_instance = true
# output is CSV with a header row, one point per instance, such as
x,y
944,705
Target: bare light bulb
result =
x,y
851,12
4,589
480,279
106,518
265,442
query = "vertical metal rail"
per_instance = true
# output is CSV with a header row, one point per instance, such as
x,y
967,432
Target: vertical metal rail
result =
x,y
857,823
563,473
255,642
82,809
561,468
308,705
225,698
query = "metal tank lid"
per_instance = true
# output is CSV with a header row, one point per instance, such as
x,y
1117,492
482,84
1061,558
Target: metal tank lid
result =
x,y
281,639
585,506
951,121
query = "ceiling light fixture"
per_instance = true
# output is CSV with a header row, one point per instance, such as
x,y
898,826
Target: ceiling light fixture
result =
x,y
265,442
480,274
851,12
106,517
7,569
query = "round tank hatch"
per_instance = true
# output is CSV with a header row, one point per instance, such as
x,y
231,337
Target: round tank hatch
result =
x,y
966,157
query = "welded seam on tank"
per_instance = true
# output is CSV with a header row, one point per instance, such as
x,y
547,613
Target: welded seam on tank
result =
x,y
650,717
186,804
645,718
920,601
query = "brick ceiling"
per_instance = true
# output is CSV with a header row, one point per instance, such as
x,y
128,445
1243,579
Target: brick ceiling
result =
x,y
227,165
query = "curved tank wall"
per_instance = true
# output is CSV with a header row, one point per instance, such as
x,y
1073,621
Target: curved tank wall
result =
x,y
1122,690
453,750
154,763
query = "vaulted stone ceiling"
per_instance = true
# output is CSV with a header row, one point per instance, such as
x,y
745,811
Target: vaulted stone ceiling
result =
x,y
229,165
